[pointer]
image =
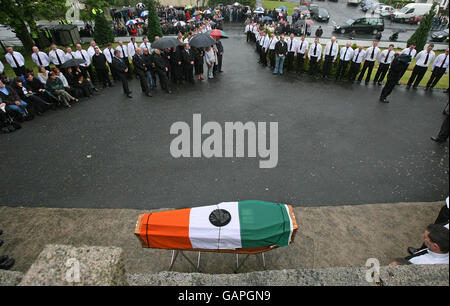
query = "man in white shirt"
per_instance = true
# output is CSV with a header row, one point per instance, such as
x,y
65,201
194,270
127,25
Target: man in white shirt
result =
x,y
109,54
358,56
371,56
302,48
40,58
385,60
329,56
439,68
423,60
16,61
91,49
2,68
411,51
57,56
272,42
85,67
315,51
345,56
132,46
265,49
69,54
147,44
292,47
436,239
124,56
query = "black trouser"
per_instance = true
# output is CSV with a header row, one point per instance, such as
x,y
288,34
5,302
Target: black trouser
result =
x,y
272,58
123,76
417,75
313,65
290,61
443,135
300,62
143,80
341,69
381,72
392,80
258,50
219,62
36,103
262,57
113,72
403,71
127,63
103,76
367,65
20,71
163,80
249,36
354,69
435,76
327,65
189,73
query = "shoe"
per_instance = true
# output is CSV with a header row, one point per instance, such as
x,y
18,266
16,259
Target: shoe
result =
x,y
1,243
414,87
5,130
1,231
383,100
3,259
436,139
8,264
408,86
39,113
366,83
95,89
379,84
129,96
412,250
148,94
169,91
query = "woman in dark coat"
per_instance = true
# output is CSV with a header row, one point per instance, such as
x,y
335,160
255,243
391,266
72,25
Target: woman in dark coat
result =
x,y
39,90
25,93
198,62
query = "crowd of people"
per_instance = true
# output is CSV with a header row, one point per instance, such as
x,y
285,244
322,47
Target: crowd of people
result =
x,y
66,76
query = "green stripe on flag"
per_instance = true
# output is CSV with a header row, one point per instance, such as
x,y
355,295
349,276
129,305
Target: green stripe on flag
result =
x,y
263,223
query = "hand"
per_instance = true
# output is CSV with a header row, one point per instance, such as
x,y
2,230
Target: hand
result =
x,y
179,63
126,70
334,61
2,104
17,103
192,63
167,69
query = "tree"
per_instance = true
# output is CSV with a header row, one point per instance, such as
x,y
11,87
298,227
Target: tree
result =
x,y
103,33
153,27
420,36
21,16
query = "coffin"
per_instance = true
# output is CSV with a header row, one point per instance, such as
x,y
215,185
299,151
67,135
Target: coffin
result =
x,y
247,227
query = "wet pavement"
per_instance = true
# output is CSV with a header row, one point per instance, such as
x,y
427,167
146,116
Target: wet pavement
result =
x,y
337,145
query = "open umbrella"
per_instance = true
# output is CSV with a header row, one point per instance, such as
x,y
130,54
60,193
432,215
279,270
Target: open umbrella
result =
x,y
309,21
202,40
179,23
144,13
259,9
267,18
73,62
165,42
218,33
212,22
139,20
283,8
130,22
207,12
237,4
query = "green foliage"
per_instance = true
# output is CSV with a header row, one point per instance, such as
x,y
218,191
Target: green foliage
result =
x,y
103,33
154,26
420,36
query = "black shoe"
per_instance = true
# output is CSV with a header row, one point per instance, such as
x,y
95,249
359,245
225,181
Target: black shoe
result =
x,y
8,264
366,83
1,243
408,86
379,84
383,100
412,250
436,139
148,94
1,231
414,87
95,89
168,91
3,259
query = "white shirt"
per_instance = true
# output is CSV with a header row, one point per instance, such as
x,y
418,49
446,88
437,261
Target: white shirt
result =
x,y
318,51
54,58
346,54
438,63
384,54
19,58
83,55
2,68
132,49
291,44
369,54
109,55
408,51
302,46
358,56
42,56
70,56
430,258
334,51
422,56
91,52
272,42
266,42
63,79
123,51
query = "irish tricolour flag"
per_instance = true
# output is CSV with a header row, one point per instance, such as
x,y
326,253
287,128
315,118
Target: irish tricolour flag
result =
x,y
228,225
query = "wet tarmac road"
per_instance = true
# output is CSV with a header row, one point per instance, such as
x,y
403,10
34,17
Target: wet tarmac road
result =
x,y
337,145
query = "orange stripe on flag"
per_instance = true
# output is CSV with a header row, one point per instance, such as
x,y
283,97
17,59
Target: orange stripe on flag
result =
x,y
166,229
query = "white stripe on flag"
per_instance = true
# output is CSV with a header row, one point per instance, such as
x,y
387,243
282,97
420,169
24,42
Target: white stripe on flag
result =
x,y
204,235
291,226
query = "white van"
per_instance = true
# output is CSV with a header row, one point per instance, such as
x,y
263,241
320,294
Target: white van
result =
x,y
411,11
353,2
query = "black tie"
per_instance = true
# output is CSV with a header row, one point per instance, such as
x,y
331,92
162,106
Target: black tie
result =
x,y
72,55
443,62
301,45
82,55
123,52
331,49
345,53
290,48
357,55
410,50
315,49
387,56
15,60
110,52
134,47
373,53
426,58
57,56
39,59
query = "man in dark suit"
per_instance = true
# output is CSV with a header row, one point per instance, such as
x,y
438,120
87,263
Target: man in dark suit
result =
x,y
162,67
219,45
188,63
99,62
395,73
122,71
140,69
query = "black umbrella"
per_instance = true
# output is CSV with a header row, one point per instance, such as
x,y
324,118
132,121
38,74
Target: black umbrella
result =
x,y
202,40
165,42
73,62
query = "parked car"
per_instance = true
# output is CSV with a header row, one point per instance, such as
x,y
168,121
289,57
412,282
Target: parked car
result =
x,y
313,9
322,15
412,11
361,25
440,36
383,8
353,2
